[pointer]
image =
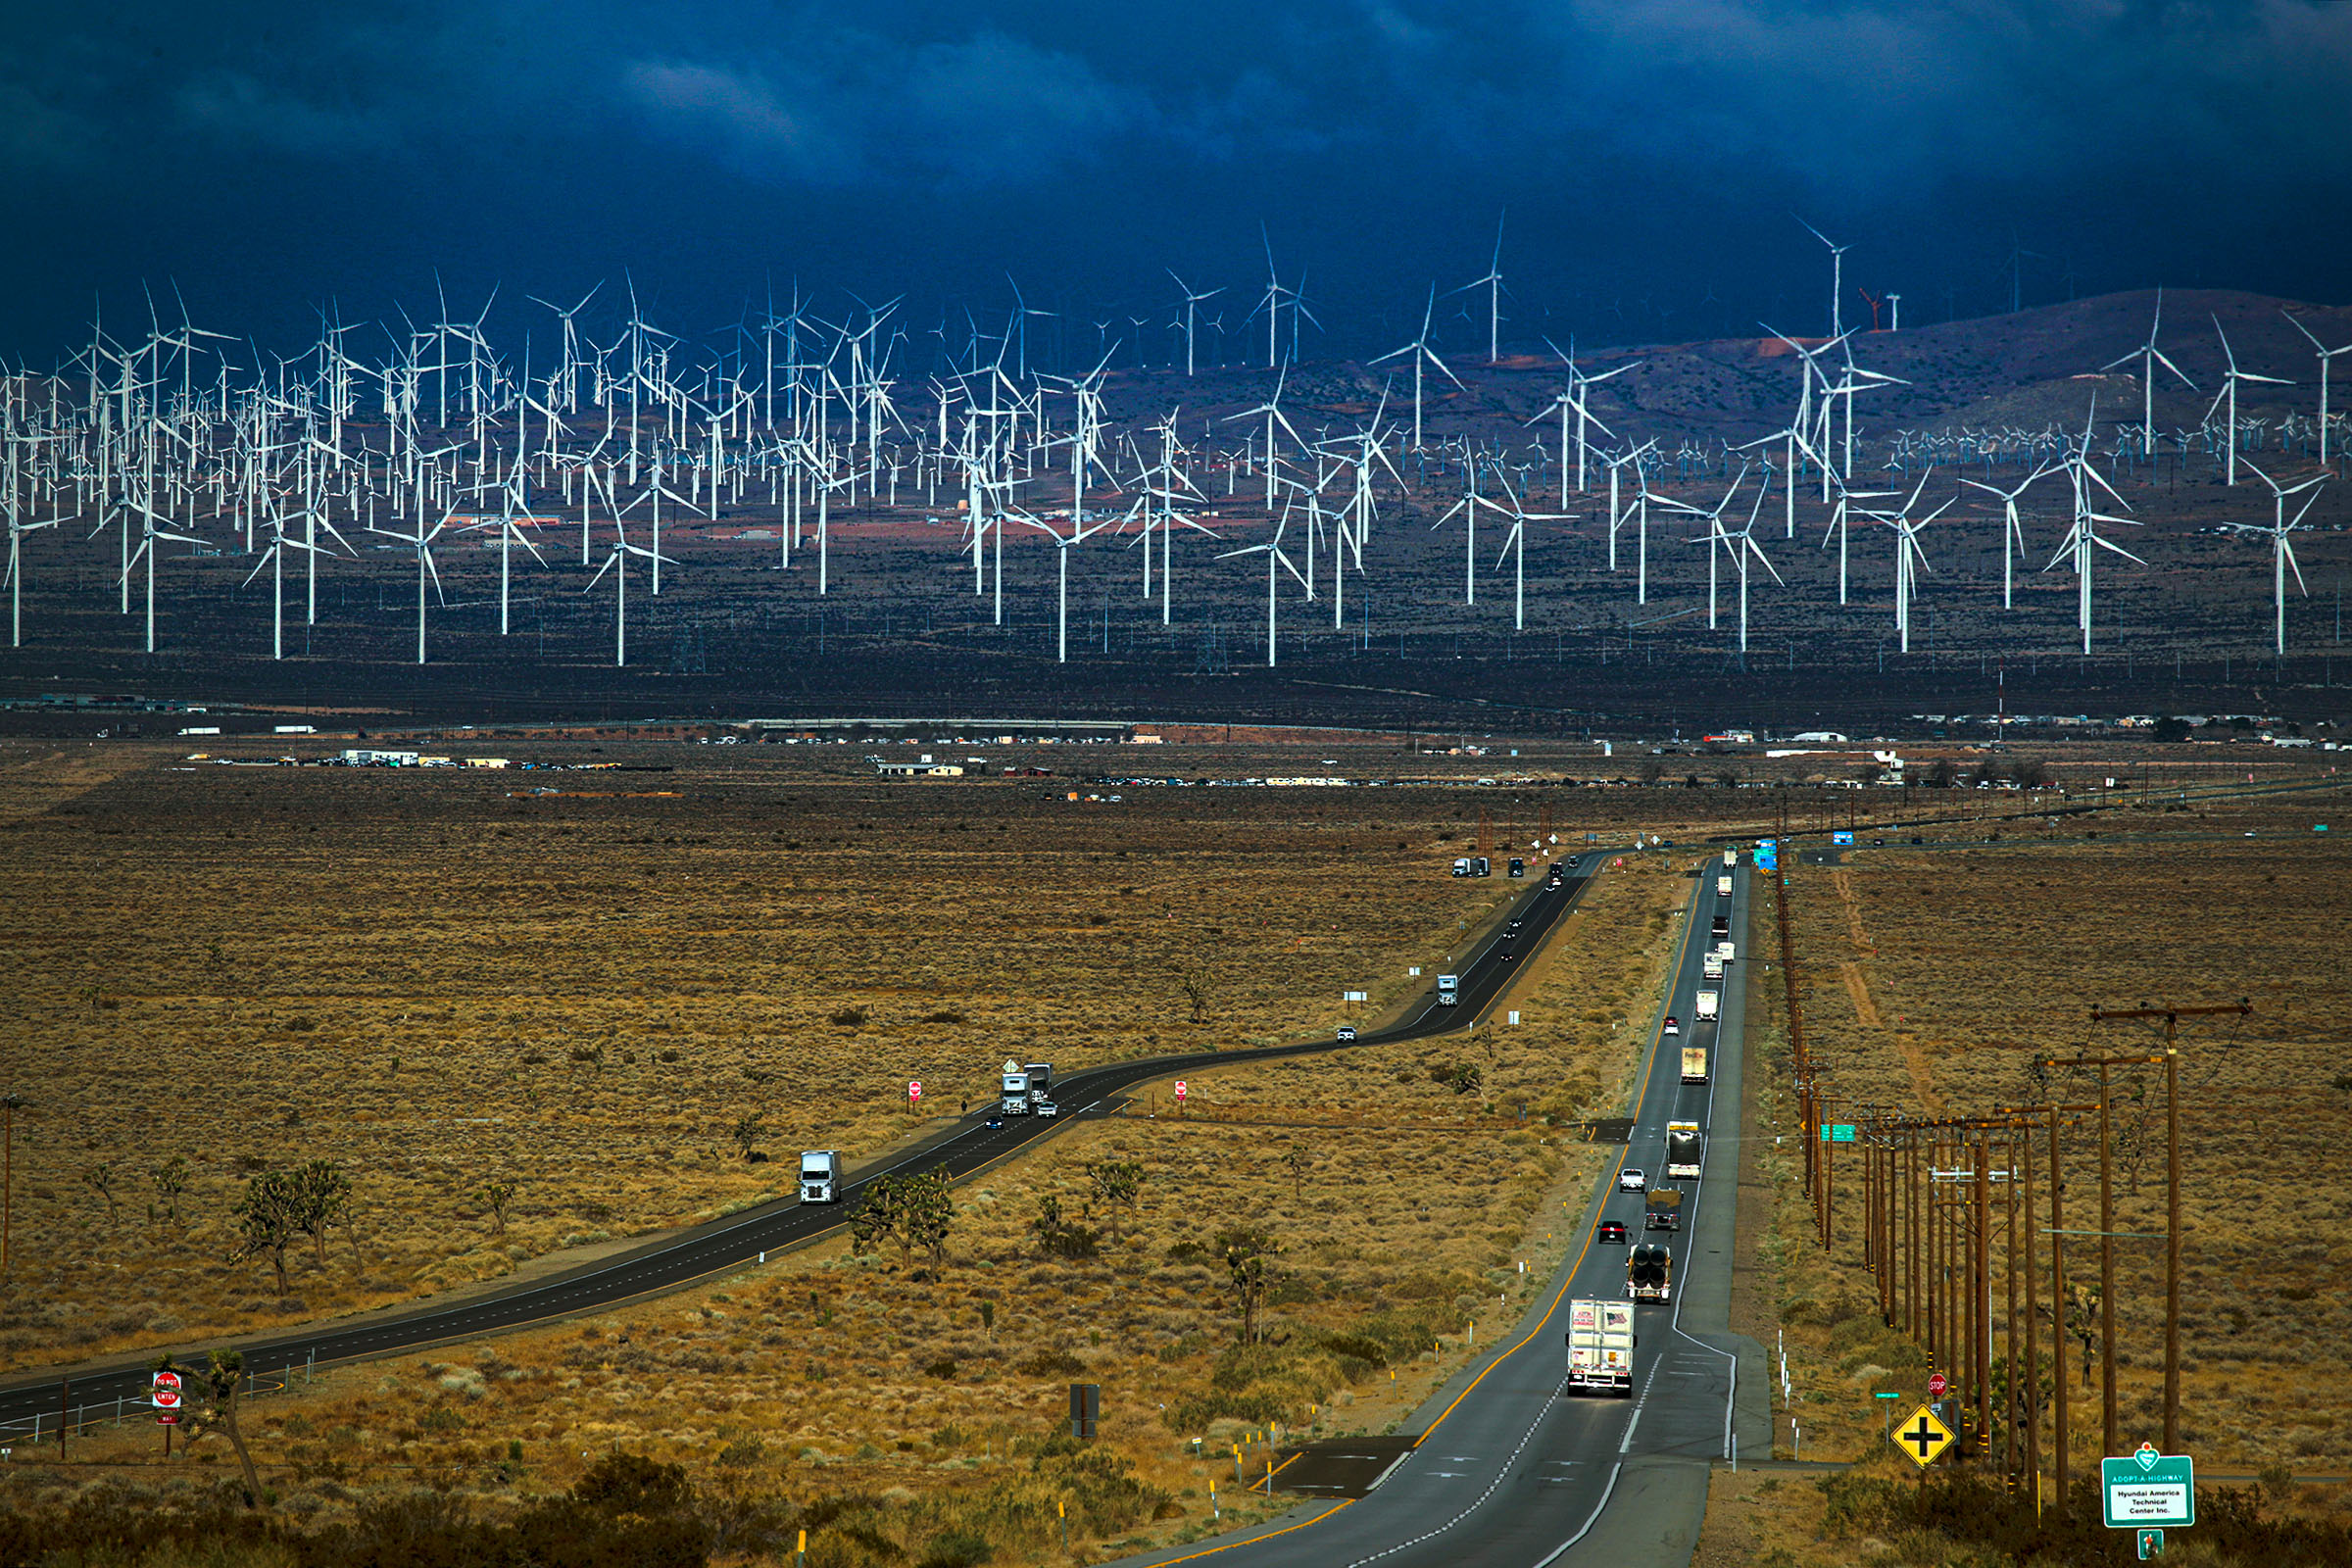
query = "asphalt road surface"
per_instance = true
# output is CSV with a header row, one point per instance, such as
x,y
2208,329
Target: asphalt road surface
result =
x,y
722,1246
1509,1470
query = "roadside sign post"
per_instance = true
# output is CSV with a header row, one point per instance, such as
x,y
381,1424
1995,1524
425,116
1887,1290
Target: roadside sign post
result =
x,y
1180,1092
2151,1544
1938,1383
2148,1492
1923,1439
165,1390
914,1093
1837,1132
1887,1418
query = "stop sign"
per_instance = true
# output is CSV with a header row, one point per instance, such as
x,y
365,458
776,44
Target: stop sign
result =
x,y
1937,1384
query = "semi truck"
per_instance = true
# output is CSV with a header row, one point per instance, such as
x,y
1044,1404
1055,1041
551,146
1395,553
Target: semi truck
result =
x,y
1041,1087
1731,858
1694,1064
1686,1149
1015,1101
1723,886
1649,1273
1449,989
1710,965
820,1176
1600,1347
1723,927
1461,866
1710,1005
1662,1210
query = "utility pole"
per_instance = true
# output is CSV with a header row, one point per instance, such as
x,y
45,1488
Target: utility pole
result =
x,y
10,1104
2170,1058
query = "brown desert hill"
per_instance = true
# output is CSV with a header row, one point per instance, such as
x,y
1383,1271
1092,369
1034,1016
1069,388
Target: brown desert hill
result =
x,y
2026,369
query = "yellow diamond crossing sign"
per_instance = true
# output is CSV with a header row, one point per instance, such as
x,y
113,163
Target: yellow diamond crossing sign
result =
x,y
1923,1437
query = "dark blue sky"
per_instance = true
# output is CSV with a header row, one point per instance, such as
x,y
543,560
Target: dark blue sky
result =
x,y
1648,153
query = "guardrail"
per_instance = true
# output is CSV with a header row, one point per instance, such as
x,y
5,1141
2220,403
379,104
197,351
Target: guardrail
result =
x,y
79,1420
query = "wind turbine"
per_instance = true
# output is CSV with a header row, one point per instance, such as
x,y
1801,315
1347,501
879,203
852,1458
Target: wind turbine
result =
x,y
1909,558
275,559
1514,545
2082,537
2013,534
2282,550
1493,284
1272,550
2228,393
2150,356
1742,546
1272,409
421,541
1580,391
16,530
1419,349
616,561
1836,278
150,535
1191,300
2325,355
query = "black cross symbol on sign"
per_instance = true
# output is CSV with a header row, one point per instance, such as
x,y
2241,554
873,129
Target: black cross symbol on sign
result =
x,y
1923,1437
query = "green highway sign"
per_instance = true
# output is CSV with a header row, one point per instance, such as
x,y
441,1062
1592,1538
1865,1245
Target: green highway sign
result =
x,y
1840,1132
2148,1491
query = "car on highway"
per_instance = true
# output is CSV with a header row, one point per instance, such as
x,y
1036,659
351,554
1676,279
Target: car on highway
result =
x,y
1630,1180
1347,1031
1611,1233
995,1122
1674,1025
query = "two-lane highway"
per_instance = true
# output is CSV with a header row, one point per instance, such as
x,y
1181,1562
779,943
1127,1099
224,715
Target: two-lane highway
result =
x,y
1511,1470
722,1246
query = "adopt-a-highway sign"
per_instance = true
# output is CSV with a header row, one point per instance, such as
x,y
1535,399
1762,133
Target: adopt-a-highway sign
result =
x,y
2148,1490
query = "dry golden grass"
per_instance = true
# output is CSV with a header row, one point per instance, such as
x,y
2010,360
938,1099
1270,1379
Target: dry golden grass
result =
x,y
439,979
821,1375
1976,961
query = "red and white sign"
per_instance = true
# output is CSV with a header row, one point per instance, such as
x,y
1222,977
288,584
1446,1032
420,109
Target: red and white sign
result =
x,y
165,1392
1936,1386
1179,1089
915,1089
170,1418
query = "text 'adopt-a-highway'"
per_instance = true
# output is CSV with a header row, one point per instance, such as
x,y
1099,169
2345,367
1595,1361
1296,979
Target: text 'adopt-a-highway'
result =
x,y
1504,1466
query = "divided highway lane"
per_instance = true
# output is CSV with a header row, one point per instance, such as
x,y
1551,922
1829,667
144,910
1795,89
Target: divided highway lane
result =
x,y
1510,1470
721,1246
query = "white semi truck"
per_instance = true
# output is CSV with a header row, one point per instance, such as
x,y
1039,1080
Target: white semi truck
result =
x,y
1450,992
1015,1092
1600,1346
1731,858
820,1176
1686,1150
1723,885
1710,1005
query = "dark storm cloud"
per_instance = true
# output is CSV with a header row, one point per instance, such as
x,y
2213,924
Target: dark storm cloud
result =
x,y
1379,134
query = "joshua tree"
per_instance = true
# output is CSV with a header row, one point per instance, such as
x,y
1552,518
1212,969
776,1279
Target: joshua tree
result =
x,y
1198,990
495,1196
267,1220
1296,1161
101,1180
223,1379
746,1131
1246,1251
321,1197
1118,1183
171,1181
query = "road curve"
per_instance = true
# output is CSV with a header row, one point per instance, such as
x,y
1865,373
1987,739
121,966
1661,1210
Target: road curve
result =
x,y
718,1246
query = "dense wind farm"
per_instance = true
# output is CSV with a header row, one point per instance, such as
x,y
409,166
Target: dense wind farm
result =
x,y
1311,785
2100,502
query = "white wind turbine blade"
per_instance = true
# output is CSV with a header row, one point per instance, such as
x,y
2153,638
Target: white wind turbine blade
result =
x,y
2107,544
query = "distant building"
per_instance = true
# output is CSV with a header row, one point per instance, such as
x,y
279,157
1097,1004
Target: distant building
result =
x,y
1820,737
922,769
371,757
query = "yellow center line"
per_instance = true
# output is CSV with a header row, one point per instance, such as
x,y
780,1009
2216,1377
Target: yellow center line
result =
x,y
1647,1072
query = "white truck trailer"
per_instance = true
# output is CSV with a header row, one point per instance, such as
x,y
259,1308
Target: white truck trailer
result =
x,y
1450,992
1600,1346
